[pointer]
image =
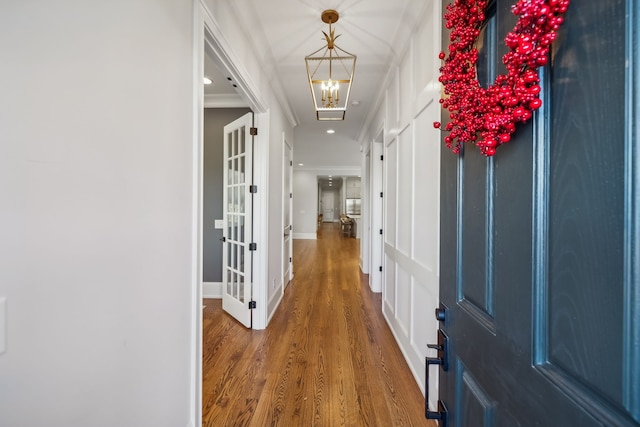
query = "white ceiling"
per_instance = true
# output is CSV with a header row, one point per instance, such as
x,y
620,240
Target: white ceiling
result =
x,y
285,31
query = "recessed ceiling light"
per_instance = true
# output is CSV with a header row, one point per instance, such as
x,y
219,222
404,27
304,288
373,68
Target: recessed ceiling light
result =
x,y
300,164
331,131
207,81
330,176
355,103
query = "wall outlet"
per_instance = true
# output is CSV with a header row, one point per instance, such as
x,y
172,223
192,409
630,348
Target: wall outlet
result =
x,y
219,224
3,324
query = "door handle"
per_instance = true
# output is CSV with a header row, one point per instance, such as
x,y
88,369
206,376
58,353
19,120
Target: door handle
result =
x,y
442,359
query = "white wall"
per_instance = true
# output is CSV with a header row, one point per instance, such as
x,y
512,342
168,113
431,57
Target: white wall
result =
x,y
411,151
319,150
96,131
277,127
305,204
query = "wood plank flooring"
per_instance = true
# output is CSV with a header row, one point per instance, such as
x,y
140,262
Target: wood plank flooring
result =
x,y
327,357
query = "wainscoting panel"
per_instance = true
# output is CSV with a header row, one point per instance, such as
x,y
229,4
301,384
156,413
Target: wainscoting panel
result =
x,y
411,227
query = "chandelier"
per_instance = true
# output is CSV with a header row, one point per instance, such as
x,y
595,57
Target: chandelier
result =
x,y
330,74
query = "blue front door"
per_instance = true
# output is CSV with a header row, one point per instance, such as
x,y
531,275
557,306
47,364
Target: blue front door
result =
x,y
540,253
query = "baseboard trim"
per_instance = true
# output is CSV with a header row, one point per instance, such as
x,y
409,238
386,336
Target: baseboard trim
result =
x,y
307,236
410,353
212,290
274,302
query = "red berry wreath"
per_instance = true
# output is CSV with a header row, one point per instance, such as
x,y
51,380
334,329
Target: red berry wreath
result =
x,y
488,117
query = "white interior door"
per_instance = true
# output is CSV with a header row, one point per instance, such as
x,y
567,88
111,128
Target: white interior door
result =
x,y
287,208
327,206
237,258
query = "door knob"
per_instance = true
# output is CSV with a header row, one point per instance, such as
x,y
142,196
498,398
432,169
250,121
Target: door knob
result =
x,y
441,313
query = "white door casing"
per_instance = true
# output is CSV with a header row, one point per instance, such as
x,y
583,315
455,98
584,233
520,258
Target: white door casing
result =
x,y
377,246
287,214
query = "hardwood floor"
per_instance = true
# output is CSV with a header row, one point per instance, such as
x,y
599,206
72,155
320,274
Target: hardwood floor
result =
x,y
327,358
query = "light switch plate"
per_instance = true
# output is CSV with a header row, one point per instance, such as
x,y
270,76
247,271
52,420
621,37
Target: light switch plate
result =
x,y
3,324
219,224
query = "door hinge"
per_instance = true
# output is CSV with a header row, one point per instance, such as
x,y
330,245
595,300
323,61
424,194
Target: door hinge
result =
x,y
252,305
380,268
381,194
290,259
253,131
253,246
291,195
381,157
290,162
290,227
253,189
381,231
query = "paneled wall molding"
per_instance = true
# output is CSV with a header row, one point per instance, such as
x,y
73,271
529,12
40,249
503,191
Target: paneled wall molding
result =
x,y
424,274
410,178
428,102
411,353
426,96
415,19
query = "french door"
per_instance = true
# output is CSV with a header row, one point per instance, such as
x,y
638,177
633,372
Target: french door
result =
x,y
237,259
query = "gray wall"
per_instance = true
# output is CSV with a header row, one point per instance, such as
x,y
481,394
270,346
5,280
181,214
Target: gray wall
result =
x,y
214,121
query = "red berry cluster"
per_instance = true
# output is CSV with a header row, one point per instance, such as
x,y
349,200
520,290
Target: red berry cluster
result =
x,y
487,117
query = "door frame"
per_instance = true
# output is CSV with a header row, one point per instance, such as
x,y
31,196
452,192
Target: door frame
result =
x,y
287,187
214,39
376,212
207,33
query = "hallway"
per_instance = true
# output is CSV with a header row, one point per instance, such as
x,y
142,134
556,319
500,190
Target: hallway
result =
x,y
327,357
